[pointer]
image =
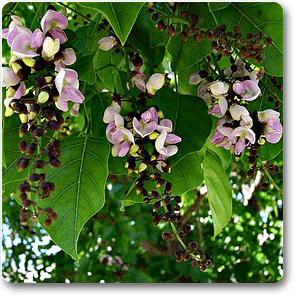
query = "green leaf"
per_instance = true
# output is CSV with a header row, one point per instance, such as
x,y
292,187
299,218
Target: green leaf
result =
x,y
120,15
85,69
79,194
255,17
106,64
144,26
218,190
187,53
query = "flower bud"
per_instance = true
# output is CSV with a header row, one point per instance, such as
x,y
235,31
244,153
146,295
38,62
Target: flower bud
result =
x,y
22,164
167,236
107,43
34,177
23,128
54,162
43,97
9,111
23,118
22,146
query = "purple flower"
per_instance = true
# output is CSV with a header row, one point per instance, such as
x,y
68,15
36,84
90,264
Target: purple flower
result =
x,y
147,124
248,89
109,113
165,124
203,92
240,135
139,81
272,129
9,77
120,136
67,85
168,140
53,19
222,136
69,58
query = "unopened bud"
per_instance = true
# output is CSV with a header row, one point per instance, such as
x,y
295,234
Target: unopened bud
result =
x,y
23,118
22,146
107,43
9,111
43,97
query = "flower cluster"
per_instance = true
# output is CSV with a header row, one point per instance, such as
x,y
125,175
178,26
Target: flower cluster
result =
x,y
38,88
227,99
127,134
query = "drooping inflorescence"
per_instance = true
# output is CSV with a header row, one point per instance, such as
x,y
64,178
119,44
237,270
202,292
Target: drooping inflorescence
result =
x,y
39,87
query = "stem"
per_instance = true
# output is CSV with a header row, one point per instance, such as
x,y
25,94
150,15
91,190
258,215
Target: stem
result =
x,y
269,176
270,92
77,12
175,229
217,66
212,13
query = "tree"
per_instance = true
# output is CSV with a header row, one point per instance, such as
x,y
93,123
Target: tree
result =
x,y
142,137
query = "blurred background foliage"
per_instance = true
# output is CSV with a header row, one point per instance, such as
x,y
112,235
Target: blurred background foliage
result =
x,y
116,246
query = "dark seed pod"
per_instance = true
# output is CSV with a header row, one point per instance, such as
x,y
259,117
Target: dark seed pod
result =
x,y
250,173
154,17
168,188
184,36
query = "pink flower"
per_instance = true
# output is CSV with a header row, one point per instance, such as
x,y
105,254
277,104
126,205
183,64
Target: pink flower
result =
x,y
155,83
147,124
109,113
248,89
203,92
69,58
222,136
139,81
106,43
239,112
50,48
25,44
240,135
75,110
272,127
9,77
165,124
53,19
169,139
67,85
120,136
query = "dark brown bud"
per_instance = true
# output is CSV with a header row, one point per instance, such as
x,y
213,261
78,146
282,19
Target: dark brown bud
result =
x,y
184,36
23,128
54,162
198,37
39,164
187,228
154,194
156,205
250,173
171,31
23,196
22,146
34,177
161,25
156,221
47,222
154,17
160,183
22,164
167,236
265,185
57,144
24,187
193,246
269,40
27,203
201,254
167,200
146,200
177,199
48,112
31,148
42,177
38,132
274,80
53,125
178,218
